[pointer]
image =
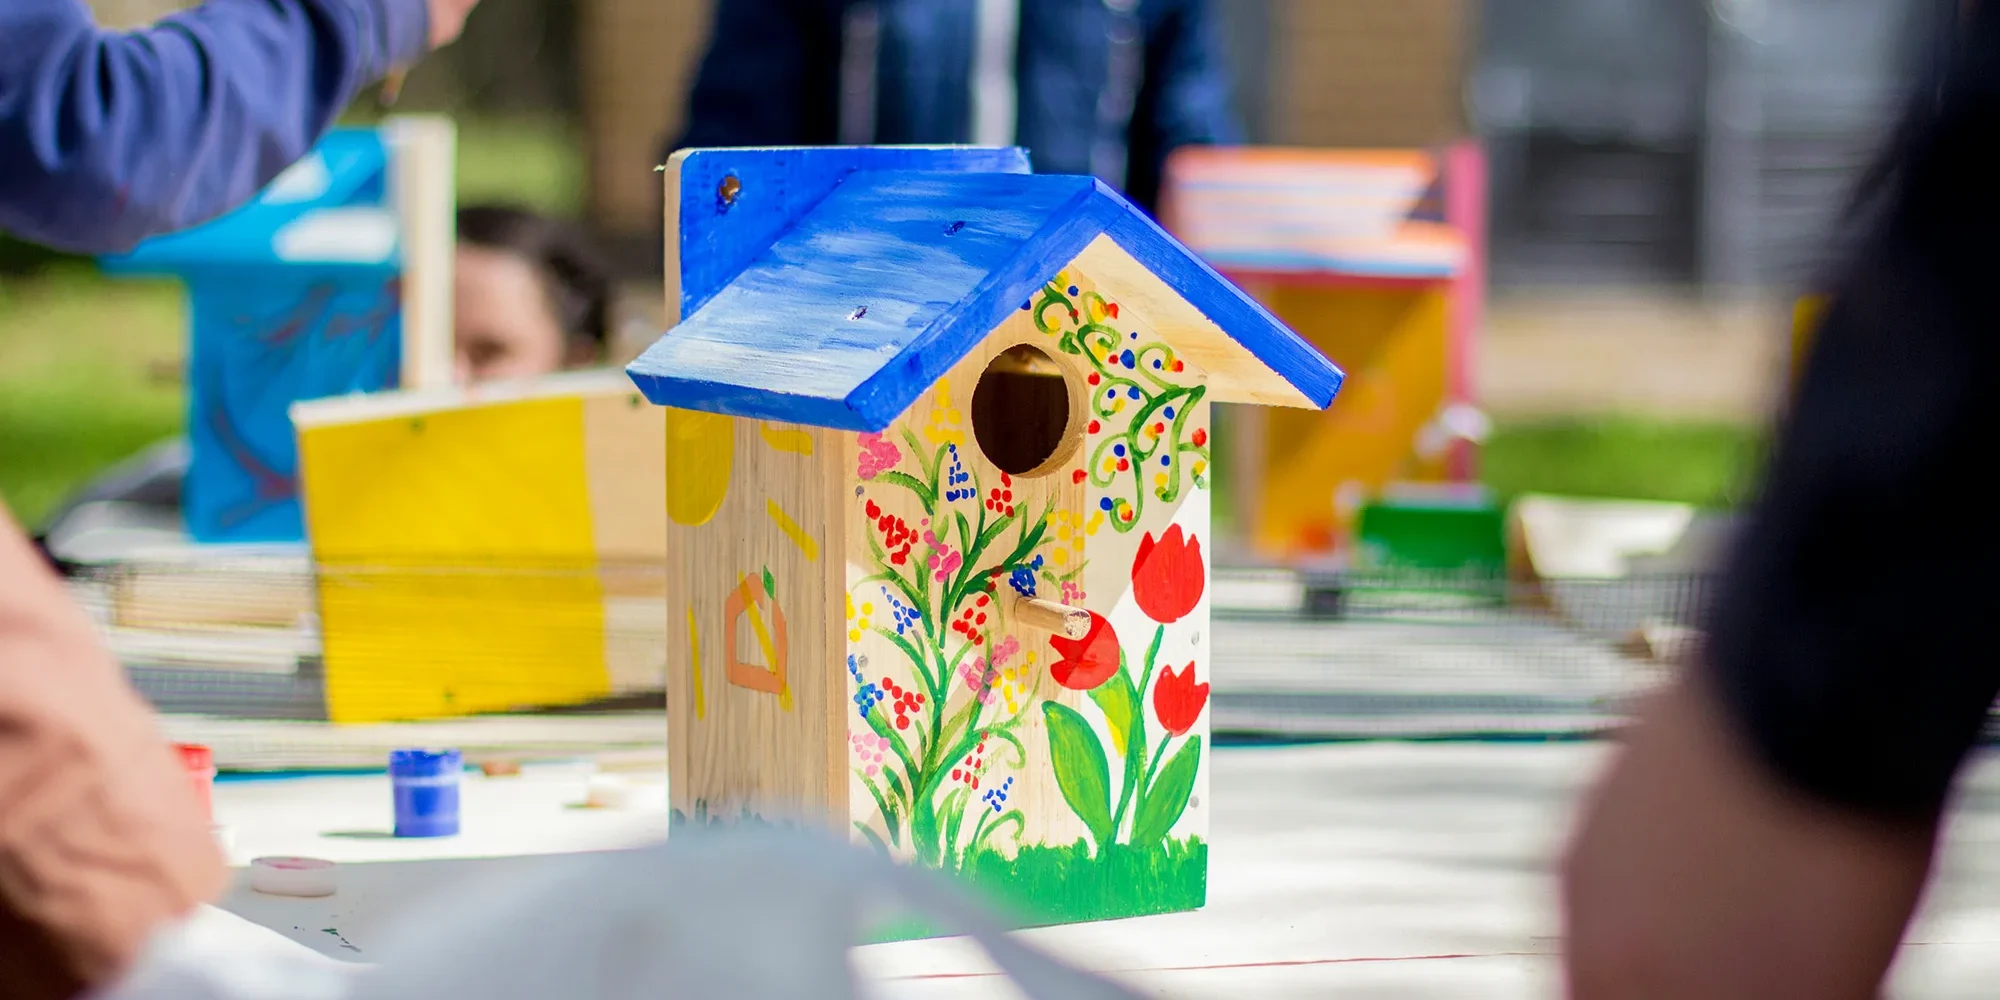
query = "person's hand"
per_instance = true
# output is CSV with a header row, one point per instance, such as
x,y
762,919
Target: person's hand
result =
x,y
448,19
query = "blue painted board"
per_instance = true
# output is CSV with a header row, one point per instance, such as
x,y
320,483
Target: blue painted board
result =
x,y
255,352
892,278
775,187
293,297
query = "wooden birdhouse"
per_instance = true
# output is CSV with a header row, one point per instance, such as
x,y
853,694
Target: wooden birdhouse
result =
x,y
938,467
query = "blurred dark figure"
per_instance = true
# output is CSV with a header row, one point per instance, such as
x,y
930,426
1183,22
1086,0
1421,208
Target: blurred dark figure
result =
x,y
1104,87
1770,826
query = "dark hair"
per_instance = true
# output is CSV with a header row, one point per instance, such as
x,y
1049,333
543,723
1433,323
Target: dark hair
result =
x,y
577,279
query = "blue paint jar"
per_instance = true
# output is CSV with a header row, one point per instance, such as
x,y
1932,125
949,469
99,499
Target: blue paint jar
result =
x,y
425,783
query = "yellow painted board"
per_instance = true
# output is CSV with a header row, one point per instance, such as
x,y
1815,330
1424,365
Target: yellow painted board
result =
x,y
1395,344
457,559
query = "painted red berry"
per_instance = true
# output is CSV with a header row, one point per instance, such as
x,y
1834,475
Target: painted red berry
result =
x,y
1094,378
902,722
1078,476
1200,436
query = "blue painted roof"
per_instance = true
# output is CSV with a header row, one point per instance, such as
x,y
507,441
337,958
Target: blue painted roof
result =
x,y
328,210
896,275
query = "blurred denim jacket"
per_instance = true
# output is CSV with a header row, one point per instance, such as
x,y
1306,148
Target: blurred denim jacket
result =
x,y
1104,87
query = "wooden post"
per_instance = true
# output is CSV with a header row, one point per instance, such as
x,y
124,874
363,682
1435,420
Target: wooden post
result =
x,y
424,151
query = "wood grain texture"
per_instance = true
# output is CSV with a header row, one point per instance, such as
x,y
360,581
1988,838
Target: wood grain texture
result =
x,y
894,277
753,680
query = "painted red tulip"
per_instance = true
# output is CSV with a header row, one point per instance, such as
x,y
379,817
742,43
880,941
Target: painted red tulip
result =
x,y
1089,661
1167,576
1178,700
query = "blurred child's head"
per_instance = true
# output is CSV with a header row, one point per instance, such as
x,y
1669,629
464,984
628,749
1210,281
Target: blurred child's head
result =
x,y
532,296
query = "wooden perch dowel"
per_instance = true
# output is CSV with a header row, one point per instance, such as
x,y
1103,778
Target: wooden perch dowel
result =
x,y
1048,616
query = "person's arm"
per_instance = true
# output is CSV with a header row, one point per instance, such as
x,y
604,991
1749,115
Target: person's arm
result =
x,y
770,77
1699,872
101,839
1769,828
107,137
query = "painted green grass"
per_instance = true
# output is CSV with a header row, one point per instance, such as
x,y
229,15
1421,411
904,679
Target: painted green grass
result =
x,y
1048,885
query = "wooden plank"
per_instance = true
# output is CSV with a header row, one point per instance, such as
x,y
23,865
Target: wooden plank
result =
x,y
753,671
423,151
486,549
280,745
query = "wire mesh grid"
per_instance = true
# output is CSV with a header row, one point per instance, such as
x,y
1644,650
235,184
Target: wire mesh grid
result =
x,y
235,654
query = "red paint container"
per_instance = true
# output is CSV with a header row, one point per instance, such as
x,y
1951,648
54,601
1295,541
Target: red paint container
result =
x,y
199,763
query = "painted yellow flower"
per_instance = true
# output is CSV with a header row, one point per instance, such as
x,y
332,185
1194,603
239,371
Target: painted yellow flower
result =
x,y
947,423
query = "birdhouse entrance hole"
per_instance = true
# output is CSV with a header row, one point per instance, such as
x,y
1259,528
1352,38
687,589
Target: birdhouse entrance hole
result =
x,y
1022,412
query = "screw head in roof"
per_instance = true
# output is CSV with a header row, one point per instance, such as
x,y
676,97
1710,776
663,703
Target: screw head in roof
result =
x,y
727,191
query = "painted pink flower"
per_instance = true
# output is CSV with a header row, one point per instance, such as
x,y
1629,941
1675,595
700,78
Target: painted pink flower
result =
x,y
1071,593
877,456
943,560
1004,650
979,678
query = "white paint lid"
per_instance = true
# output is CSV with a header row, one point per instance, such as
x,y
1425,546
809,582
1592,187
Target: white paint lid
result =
x,y
292,876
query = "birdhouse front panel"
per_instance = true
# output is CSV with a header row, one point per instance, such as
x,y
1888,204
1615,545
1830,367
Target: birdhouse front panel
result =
x,y
1061,467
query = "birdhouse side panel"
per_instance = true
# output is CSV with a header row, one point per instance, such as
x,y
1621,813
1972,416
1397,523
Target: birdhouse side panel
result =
x,y
754,688
1063,771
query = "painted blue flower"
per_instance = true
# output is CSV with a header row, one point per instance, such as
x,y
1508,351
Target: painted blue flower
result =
x,y
997,796
1022,580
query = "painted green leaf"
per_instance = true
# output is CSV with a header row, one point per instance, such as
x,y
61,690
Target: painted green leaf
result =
x,y
770,584
1164,803
1120,703
1081,772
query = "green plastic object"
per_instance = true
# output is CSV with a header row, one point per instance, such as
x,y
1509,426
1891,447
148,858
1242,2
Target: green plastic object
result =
x,y
1456,530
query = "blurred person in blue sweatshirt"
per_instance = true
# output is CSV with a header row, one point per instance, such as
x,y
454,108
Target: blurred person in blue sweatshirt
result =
x,y
1104,87
107,138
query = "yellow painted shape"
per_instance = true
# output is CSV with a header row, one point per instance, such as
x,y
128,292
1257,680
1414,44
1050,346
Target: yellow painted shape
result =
x,y
700,448
792,530
694,656
796,442
1395,343
457,563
